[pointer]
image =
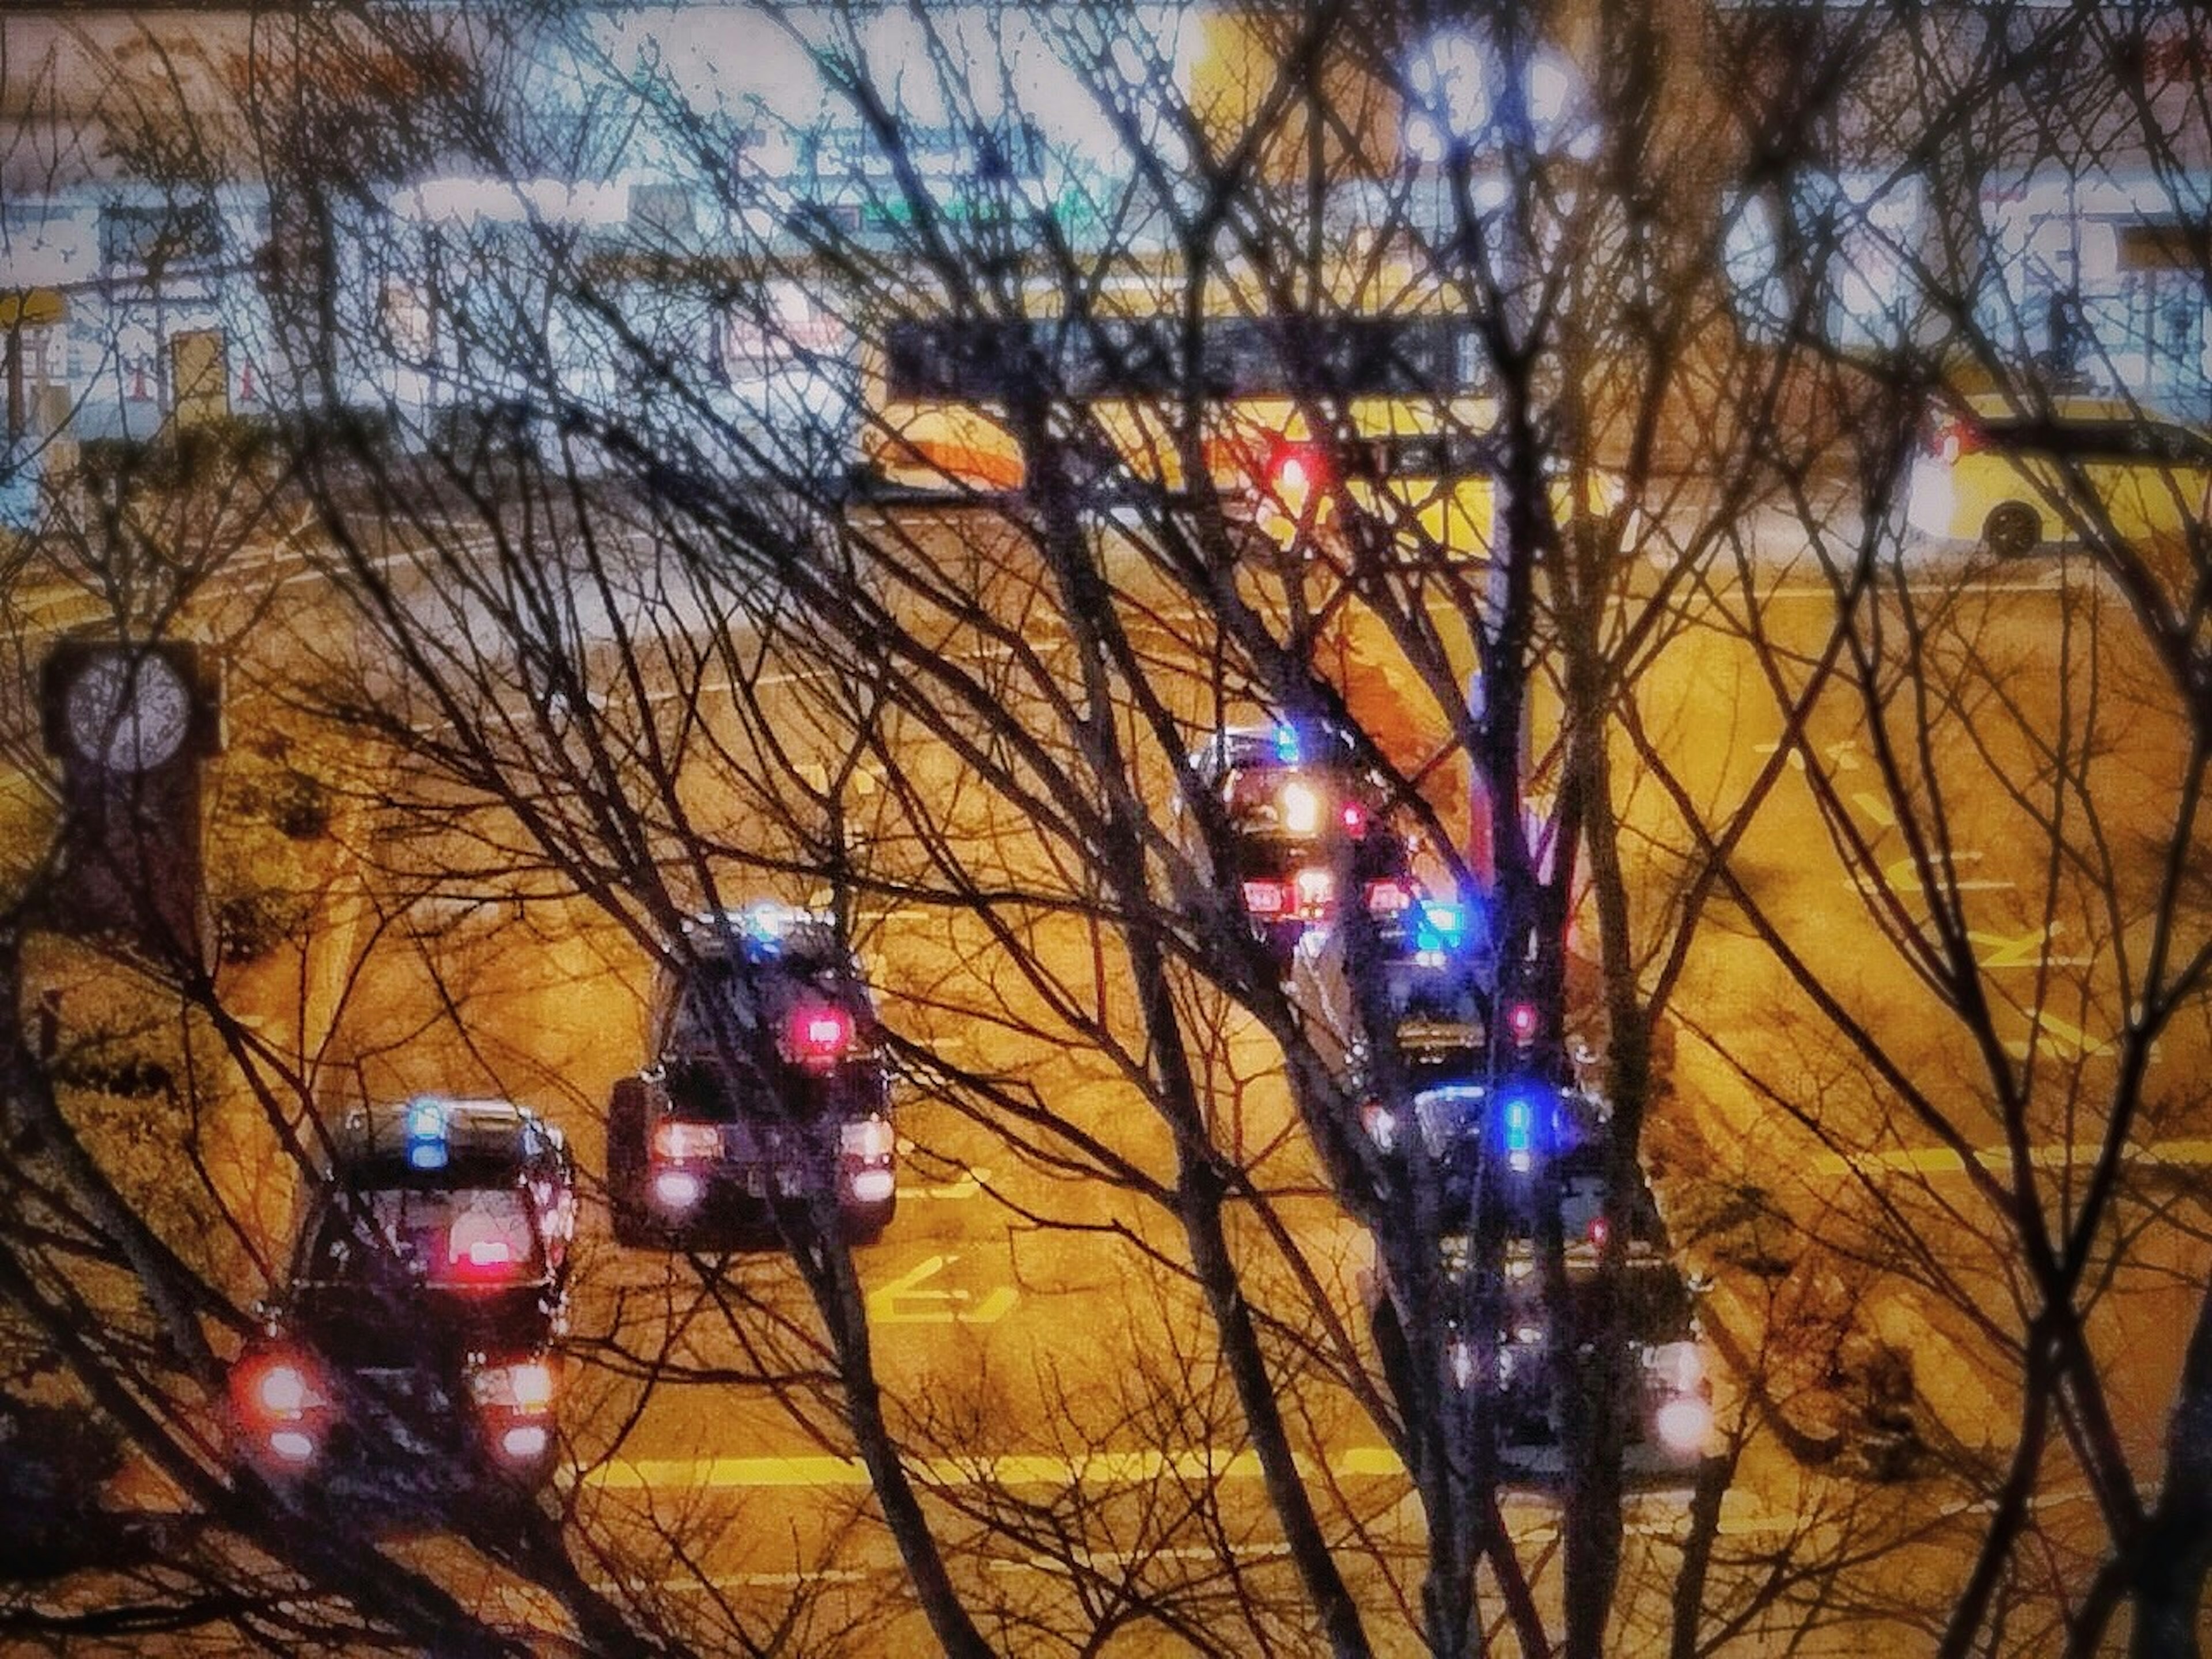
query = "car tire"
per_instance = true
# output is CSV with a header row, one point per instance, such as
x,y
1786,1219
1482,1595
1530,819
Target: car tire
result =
x,y
2012,530
865,1224
626,1128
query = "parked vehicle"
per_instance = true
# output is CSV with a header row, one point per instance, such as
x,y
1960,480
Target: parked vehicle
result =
x,y
2013,478
768,1094
412,1355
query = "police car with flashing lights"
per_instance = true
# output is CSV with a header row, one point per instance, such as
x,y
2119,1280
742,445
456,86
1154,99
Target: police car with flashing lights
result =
x,y
1304,817
767,1105
412,1355
1545,1339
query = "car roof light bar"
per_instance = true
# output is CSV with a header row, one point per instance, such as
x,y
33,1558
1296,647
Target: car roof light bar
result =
x,y
426,1134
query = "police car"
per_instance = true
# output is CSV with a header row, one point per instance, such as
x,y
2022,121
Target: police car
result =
x,y
412,1353
768,1102
1303,817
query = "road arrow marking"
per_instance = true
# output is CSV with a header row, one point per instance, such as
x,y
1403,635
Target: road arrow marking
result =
x,y
2023,950
903,1301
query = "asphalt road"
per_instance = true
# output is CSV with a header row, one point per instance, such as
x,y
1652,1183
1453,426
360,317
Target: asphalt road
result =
x,y
1036,1355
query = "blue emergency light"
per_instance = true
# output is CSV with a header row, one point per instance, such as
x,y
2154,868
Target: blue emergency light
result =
x,y
1519,1132
1286,743
1441,926
764,926
426,1134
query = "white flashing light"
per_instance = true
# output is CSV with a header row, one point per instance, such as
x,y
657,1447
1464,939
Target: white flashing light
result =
x,y
870,1138
524,1441
1301,809
873,1185
677,1189
766,922
1685,1424
292,1445
282,1390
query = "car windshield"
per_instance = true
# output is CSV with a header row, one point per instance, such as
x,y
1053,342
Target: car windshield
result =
x,y
450,1237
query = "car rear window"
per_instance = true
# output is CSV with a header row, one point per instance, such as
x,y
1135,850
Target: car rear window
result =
x,y
461,1236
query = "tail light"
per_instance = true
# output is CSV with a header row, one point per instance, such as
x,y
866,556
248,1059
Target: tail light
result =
x,y
1316,889
1388,898
527,1387
281,1404
1521,1020
275,1388
1947,439
1295,472
1264,898
1354,816
820,1036
870,1140
1598,1232
484,1247
686,1142
1301,808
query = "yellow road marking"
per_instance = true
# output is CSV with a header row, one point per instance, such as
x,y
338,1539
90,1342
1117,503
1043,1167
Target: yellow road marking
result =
x,y
1132,1468
2022,950
904,1302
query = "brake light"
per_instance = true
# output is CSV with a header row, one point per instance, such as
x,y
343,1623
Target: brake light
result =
x,y
1264,898
1294,472
527,1387
1521,1021
1388,898
869,1139
284,1390
1317,889
1950,439
1598,1231
1354,819
683,1143
276,1391
820,1035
